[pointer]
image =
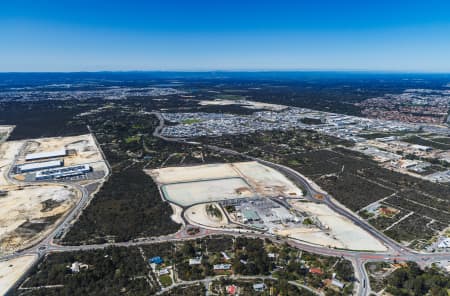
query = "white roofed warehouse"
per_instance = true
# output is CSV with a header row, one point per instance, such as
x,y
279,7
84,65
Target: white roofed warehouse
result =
x,y
36,166
44,155
65,172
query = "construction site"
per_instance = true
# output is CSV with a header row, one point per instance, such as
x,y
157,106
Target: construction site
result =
x,y
12,270
69,158
38,180
217,182
249,196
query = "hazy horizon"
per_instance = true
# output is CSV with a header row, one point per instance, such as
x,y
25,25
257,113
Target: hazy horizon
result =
x,y
74,36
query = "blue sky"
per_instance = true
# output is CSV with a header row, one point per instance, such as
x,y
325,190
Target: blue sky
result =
x,y
81,35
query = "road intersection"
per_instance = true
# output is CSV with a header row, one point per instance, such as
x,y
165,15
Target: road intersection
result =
x,y
396,252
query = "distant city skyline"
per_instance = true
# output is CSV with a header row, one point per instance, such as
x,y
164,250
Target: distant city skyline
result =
x,y
52,36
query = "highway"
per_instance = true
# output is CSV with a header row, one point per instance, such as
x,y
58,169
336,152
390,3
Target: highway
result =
x,y
44,246
358,258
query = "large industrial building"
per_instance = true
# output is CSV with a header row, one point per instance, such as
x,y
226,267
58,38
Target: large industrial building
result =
x,y
36,166
65,172
47,154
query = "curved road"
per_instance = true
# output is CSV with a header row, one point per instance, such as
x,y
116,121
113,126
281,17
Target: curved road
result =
x,y
358,259
395,251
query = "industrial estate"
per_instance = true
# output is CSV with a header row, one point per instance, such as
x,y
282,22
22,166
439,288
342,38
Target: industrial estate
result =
x,y
248,196
43,182
200,188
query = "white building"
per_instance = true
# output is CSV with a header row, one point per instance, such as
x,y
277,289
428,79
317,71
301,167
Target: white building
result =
x,y
195,261
75,267
36,166
337,283
164,271
57,173
225,256
222,266
259,287
48,154
444,243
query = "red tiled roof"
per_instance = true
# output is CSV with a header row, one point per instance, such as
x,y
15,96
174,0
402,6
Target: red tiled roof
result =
x,y
231,290
316,270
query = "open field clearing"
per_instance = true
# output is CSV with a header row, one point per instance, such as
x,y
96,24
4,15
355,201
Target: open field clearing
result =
x,y
344,233
177,212
266,181
82,149
28,212
253,180
244,103
5,130
7,152
214,182
192,173
76,153
12,270
312,235
189,193
198,215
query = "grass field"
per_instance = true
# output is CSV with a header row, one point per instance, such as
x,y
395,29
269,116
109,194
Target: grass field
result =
x,y
165,280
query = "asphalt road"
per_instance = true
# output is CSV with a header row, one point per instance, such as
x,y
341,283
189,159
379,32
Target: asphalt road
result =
x,y
396,252
44,246
358,259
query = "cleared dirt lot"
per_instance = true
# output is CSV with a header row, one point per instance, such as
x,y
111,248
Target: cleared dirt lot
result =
x,y
213,182
343,233
5,130
7,152
177,212
83,148
171,175
198,215
27,213
189,193
12,270
244,103
265,180
313,236
187,186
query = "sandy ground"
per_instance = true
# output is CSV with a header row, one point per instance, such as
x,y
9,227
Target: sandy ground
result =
x,y
8,151
5,130
311,235
267,181
343,233
196,186
12,270
192,173
245,104
186,194
263,180
25,204
177,211
197,215
84,145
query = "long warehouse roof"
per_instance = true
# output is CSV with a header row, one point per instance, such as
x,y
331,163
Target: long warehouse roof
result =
x,y
63,170
47,154
40,165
